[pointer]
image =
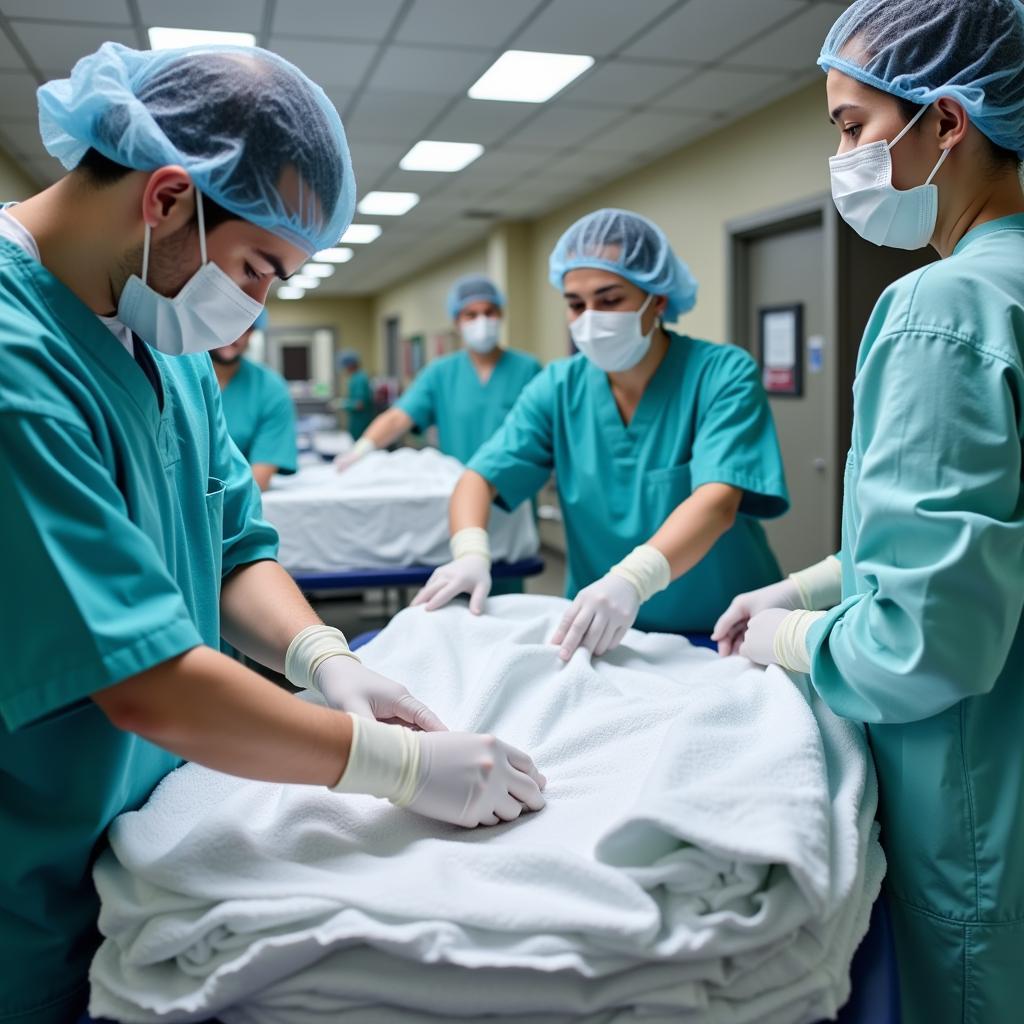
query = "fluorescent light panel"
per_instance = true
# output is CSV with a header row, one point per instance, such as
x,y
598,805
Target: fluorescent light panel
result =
x,y
361,234
447,157
304,281
387,204
525,76
336,254
174,38
289,291
317,270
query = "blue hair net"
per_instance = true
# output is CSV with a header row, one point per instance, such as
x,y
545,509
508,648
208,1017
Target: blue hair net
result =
x,y
348,358
262,321
921,50
473,288
632,247
255,134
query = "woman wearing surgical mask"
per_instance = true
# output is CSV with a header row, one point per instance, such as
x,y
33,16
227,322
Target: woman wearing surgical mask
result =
x,y
466,395
663,448
917,629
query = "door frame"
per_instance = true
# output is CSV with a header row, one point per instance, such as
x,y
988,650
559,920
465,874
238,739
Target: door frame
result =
x,y
815,211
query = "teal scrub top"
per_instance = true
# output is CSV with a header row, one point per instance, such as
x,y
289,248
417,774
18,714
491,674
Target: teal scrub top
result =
x,y
927,646
448,393
120,518
359,403
704,418
261,416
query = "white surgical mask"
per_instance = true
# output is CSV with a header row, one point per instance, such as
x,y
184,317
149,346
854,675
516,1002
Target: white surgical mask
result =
x,y
209,311
867,200
481,333
612,341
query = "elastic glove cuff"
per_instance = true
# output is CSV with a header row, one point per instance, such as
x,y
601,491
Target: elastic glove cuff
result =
x,y
363,447
309,649
472,540
790,642
383,761
821,585
647,569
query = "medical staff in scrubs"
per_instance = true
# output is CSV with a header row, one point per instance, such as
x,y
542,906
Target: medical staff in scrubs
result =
x,y
358,403
259,411
917,629
132,531
467,394
663,448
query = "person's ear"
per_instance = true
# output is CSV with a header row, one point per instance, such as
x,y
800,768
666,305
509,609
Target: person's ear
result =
x,y
951,123
168,199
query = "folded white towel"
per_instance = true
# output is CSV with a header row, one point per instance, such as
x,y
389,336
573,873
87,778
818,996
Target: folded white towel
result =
x,y
706,854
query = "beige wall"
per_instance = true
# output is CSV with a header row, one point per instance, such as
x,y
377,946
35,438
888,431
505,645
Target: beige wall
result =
x,y
15,183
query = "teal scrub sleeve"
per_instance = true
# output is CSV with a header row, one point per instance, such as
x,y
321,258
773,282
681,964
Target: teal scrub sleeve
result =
x,y
735,441
519,457
940,541
247,536
274,442
86,593
419,403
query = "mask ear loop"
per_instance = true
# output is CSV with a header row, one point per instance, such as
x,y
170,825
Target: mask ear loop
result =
x,y
942,160
145,254
910,124
202,227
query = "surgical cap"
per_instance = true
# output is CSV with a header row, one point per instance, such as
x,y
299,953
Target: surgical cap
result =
x,y
473,288
971,51
262,321
253,132
348,358
632,247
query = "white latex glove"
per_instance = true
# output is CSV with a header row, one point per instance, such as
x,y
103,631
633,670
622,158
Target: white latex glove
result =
x,y
734,621
347,685
358,451
470,574
468,779
599,617
759,643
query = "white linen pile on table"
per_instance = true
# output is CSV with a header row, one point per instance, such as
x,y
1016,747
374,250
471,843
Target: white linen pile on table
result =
x,y
389,509
707,854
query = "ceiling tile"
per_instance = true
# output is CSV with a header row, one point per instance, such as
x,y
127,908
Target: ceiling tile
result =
x,y
719,90
23,136
420,182
18,95
10,59
55,47
626,83
794,46
573,26
500,167
399,117
429,69
327,63
562,126
646,130
471,22
344,19
112,11
703,30
222,16
483,121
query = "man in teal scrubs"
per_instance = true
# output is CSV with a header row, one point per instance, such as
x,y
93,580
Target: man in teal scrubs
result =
x,y
467,394
133,537
918,629
653,436
258,408
358,403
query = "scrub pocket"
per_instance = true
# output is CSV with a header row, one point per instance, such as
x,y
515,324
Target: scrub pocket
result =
x,y
664,490
215,521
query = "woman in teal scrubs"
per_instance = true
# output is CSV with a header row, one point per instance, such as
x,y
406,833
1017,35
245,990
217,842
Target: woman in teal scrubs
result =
x,y
358,403
663,448
918,630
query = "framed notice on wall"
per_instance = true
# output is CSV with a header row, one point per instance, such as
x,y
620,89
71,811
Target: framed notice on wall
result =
x,y
781,336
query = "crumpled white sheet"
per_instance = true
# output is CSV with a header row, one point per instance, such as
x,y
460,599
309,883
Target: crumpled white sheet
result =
x,y
707,854
389,509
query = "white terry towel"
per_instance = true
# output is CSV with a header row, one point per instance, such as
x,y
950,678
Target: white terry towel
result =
x,y
707,853
389,509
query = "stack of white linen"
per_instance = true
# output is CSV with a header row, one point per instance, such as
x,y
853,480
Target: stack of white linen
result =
x,y
707,853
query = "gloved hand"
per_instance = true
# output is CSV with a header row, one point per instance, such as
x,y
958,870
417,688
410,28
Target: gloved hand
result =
x,y
358,451
599,617
468,779
734,621
348,685
470,574
759,643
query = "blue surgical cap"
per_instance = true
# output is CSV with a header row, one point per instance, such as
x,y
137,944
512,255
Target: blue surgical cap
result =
x,y
473,288
348,358
262,321
632,247
253,132
921,50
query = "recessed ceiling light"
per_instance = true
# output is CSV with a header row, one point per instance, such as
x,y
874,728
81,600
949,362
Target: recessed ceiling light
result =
x,y
289,291
317,270
430,155
361,234
335,254
524,76
387,204
174,38
305,281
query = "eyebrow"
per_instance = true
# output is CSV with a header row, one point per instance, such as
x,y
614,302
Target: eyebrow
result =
x,y
277,265
840,110
599,291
